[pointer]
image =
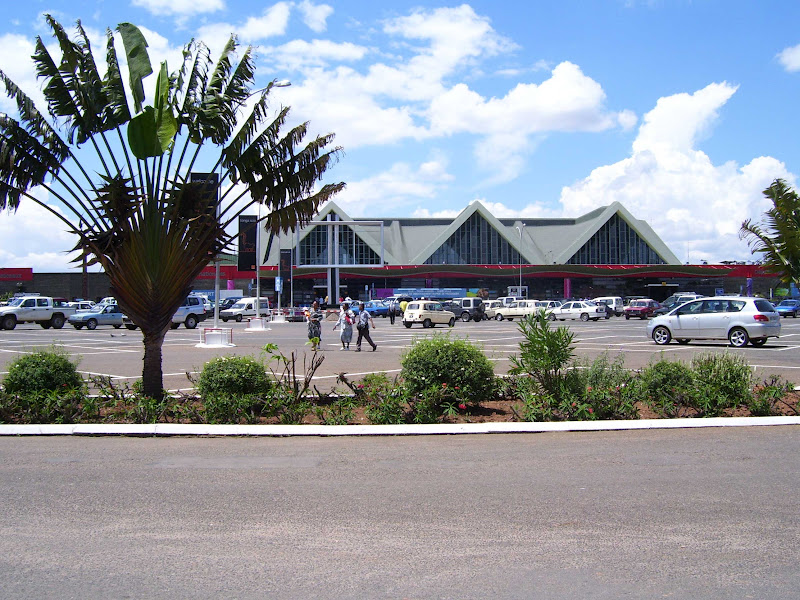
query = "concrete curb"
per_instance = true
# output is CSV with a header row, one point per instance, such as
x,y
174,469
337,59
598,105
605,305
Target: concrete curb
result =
x,y
172,429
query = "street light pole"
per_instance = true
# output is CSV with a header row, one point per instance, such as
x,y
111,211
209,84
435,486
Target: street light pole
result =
x,y
520,258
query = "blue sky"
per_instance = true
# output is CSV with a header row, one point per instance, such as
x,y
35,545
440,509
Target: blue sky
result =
x,y
684,111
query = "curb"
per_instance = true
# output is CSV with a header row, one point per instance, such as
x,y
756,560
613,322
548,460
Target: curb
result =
x,y
174,429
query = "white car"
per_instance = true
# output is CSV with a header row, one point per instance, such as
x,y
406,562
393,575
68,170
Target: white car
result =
x,y
245,308
549,307
515,310
489,308
428,313
583,310
738,319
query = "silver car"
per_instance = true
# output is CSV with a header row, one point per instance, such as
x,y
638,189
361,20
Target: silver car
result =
x,y
737,319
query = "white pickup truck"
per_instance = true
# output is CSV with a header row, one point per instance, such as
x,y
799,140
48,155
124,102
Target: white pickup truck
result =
x,y
47,312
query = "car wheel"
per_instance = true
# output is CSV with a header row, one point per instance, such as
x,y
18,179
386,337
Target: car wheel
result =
x,y
91,324
174,325
479,318
452,321
224,320
465,317
661,335
427,323
584,317
191,322
117,326
738,337
758,341
551,317
407,324
238,318
57,321
683,341
643,317
498,317
131,326
77,326
9,322
627,317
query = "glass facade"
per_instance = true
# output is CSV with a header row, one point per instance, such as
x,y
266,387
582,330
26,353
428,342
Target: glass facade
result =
x,y
314,249
476,242
616,243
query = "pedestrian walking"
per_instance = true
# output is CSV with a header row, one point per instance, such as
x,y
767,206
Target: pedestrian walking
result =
x,y
393,308
345,321
363,325
314,318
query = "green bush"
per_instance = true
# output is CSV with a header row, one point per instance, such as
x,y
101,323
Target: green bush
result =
x,y
68,405
42,372
233,376
667,388
546,355
769,397
722,381
456,365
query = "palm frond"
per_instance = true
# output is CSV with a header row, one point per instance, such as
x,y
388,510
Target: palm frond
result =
x,y
117,111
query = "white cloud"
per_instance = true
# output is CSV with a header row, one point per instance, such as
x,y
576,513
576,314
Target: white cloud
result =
x,y
300,54
689,201
400,185
315,16
15,61
33,237
180,8
498,209
272,22
790,58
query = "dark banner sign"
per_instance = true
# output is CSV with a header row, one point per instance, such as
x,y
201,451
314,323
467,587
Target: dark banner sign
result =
x,y
285,267
247,242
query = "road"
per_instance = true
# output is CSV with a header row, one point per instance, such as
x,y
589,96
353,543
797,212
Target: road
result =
x,y
639,514
118,352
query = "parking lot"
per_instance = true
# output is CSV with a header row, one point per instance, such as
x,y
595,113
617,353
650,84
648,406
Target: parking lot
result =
x,y
118,352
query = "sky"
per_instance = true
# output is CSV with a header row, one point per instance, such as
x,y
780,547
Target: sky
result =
x,y
682,110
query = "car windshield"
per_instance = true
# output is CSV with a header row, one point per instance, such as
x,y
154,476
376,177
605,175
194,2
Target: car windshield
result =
x,y
15,302
791,303
240,304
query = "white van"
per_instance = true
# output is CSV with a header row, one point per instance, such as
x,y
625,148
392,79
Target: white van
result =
x,y
509,300
244,308
614,302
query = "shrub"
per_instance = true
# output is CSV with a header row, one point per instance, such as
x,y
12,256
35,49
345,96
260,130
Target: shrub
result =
x,y
722,381
67,405
769,397
667,388
233,376
545,355
456,365
42,372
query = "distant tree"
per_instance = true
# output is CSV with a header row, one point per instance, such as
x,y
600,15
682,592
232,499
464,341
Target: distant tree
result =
x,y
141,217
778,238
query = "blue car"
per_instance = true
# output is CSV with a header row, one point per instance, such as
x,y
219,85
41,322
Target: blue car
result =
x,y
788,308
376,308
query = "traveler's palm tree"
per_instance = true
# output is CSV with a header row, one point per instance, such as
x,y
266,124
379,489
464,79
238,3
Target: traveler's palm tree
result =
x,y
778,239
130,199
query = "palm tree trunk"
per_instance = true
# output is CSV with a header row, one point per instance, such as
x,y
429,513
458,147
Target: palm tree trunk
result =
x,y
152,375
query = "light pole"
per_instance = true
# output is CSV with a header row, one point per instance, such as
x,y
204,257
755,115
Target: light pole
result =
x,y
520,259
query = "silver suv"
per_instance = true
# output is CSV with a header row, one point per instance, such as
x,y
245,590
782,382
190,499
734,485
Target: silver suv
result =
x,y
467,309
190,313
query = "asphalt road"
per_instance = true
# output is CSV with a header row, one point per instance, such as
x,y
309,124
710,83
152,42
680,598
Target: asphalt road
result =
x,y
118,352
689,514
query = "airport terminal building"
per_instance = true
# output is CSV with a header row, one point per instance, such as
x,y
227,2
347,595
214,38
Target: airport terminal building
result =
x,y
604,252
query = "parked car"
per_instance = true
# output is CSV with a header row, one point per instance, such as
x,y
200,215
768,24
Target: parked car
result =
x,y
245,308
228,302
739,320
641,308
377,308
428,313
788,308
580,309
515,310
489,307
83,305
190,313
615,303
508,300
549,307
466,309
47,312
108,314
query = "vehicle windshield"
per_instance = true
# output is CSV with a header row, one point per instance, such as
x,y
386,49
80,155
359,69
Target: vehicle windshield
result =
x,y
15,301
240,304
788,303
